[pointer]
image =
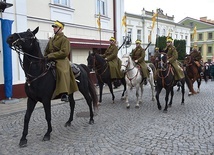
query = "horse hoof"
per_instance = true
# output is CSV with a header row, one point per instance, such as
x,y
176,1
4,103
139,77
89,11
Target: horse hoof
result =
x,y
91,122
128,107
164,111
23,143
46,138
98,103
67,124
159,108
137,106
169,105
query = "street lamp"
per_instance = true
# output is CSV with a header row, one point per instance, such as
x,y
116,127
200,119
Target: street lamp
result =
x,y
127,40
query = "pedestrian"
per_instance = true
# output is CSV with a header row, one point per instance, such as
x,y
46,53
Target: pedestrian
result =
x,y
172,56
58,49
212,71
114,62
138,56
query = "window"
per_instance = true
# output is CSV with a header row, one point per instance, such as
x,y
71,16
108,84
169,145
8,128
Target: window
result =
x,y
101,7
186,37
200,37
210,35
163,32
139,34
61,2
182,37
158,32
209,49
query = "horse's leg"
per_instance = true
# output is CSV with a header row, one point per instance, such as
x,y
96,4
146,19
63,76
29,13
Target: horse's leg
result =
x,y
158,90
183,91
123,82
141,94
151,81
111,90
166,99
137,96
100,91
47,108
172,94
127,97
30,107
199,84
85,93
72,106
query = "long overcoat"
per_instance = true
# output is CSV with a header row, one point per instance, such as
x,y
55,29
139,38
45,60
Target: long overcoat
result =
x,y
113,61
139,54
58,49
172,56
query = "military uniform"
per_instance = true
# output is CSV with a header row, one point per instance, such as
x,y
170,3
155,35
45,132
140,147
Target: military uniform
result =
x,y
58,49
196,55
139,54
113,61
172,55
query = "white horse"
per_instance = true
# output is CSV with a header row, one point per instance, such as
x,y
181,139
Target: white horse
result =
x,y
134,79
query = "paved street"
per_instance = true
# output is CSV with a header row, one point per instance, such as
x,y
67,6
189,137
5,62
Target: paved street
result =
x,y
185,130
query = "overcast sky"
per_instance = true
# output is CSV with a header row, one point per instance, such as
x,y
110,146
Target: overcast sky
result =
x,y
179,8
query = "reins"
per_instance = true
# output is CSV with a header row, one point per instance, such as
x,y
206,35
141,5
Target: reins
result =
x,y
19,50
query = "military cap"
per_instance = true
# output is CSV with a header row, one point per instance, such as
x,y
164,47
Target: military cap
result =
x,y
138,41
58,24
112,39
169,39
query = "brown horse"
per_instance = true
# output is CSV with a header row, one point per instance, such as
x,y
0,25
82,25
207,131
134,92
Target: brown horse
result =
x,y
192,72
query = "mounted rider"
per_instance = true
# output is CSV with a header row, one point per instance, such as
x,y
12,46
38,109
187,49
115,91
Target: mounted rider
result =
x,y
172,56
114,62
196,55
58,49
138,56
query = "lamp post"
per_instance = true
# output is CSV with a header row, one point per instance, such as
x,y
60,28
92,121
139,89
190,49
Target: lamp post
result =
x,y
127,40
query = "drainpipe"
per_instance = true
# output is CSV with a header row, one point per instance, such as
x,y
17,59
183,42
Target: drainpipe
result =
x,y
114,19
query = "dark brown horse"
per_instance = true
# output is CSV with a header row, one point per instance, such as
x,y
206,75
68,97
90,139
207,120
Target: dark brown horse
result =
x,y
165,79
192,72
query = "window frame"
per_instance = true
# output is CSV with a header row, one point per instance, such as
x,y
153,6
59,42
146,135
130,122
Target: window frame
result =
x,y
101,7
61,2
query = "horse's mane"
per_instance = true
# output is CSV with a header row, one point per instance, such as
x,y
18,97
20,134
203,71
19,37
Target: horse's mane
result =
x,y
100,58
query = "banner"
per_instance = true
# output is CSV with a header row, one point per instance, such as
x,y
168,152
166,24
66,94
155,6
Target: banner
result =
x,y
6,26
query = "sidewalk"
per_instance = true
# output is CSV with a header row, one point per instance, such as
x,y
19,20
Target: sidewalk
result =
x,y
16,105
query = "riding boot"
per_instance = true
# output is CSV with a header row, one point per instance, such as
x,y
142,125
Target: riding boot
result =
x,y
200,71
64,97
179,83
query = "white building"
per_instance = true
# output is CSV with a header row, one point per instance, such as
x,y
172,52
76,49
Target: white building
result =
x,y
80,18
140,27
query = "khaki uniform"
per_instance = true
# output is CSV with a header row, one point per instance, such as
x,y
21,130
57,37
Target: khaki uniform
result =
x,y
113,61
139,54
172,55
58,49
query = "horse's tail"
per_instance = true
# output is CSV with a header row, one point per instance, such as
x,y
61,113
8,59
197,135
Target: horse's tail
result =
x,y
189,83
91,87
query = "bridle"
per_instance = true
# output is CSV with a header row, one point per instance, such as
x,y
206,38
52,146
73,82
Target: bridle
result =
x,y
19,49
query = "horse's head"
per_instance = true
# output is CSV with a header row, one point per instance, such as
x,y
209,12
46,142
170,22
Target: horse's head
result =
x,y
23,40
91,60
187,60
162,61
125,62
95,61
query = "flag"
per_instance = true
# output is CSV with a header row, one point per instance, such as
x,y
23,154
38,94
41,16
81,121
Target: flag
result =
x,y
154,20
194,32
98,22
124,22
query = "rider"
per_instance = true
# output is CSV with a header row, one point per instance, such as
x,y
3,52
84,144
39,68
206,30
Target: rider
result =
x,y
114,62
58,49
156,53
138,56
172,56
197,58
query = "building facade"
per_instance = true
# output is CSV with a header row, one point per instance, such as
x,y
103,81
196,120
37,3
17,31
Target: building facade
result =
x,y
204,36
140,27
81,28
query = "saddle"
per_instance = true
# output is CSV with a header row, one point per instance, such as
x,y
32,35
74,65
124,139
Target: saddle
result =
x,y
75,69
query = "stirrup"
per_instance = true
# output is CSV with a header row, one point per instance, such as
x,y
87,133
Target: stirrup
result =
x,y
202,74
65,98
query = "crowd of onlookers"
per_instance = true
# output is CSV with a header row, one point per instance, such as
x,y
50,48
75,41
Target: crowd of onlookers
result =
x,y
209,70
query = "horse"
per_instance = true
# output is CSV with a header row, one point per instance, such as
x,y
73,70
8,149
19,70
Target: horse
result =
x,y
40,81
134,79
192,71
102,71
165,79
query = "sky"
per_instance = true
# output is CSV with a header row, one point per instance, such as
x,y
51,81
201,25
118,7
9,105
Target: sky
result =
x,y
179,8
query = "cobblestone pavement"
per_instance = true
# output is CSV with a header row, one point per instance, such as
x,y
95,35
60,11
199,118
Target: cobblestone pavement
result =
x,y
185,130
